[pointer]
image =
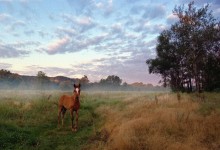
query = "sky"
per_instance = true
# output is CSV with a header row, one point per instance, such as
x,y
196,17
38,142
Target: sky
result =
x,y
96,38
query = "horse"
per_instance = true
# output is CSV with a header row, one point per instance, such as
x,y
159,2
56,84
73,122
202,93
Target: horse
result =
x,y
71,103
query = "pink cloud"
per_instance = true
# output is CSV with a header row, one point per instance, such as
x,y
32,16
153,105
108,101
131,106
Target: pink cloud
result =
x,y
57,45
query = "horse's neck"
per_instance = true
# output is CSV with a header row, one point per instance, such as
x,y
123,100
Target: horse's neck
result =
x,y
74,97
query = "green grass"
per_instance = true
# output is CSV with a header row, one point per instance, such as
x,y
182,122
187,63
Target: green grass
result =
x,y
30,122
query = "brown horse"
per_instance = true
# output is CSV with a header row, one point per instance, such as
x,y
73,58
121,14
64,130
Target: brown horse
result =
x,y
71,103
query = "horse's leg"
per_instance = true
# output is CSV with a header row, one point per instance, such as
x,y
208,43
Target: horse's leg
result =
x,y
77,117
72,118
63,113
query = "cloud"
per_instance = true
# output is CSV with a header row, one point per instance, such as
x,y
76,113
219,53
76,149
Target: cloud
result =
x,y
42,33
50,71
94,41
117,28
29,32
5,66
82,6
4,17
57,46
81,24
24,44
85,23
16,25
73,44
109,8
129,69
7,51
99,5
171,19
150,11
62,32
91,7
128,62
154,12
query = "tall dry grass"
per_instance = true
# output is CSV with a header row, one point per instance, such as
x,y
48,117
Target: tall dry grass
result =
x,y
169,123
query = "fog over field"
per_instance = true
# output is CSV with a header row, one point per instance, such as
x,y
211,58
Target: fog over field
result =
x,y
110,120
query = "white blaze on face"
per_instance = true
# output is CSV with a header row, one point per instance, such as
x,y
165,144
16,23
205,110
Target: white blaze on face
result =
x,y
77,90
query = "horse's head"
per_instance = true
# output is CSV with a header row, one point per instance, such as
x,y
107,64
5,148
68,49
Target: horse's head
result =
x,y
76,90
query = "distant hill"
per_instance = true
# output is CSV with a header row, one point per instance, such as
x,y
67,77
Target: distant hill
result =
x,y
14,80
10,80
59,79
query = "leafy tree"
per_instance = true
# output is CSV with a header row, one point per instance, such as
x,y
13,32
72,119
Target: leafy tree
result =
x,y
111,81
188,54
84,80
8,79
43,80
41,75
4,72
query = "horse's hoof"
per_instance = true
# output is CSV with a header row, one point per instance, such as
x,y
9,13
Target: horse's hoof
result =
x,y
74,129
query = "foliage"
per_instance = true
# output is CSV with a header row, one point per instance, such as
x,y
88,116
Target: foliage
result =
x,y
43,80
8,79
84,80
111,81
188,54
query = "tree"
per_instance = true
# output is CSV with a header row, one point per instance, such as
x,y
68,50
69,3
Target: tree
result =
x,y
186,51
41,75
43,80
8,79
111,81
84,80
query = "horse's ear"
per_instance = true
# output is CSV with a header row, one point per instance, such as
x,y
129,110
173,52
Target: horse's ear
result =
x,y
74,85
79,85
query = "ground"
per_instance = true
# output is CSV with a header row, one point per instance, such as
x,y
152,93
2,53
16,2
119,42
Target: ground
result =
x,y
111,120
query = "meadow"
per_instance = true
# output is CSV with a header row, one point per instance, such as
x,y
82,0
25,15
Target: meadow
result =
x,y
111,120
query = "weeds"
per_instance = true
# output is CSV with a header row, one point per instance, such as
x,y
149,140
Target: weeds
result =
x,y
112,120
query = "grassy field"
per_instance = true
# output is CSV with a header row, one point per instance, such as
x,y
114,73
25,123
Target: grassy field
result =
x,y
111,120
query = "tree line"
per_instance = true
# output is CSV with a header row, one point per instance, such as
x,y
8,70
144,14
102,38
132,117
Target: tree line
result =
x,y
188,53
41,81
